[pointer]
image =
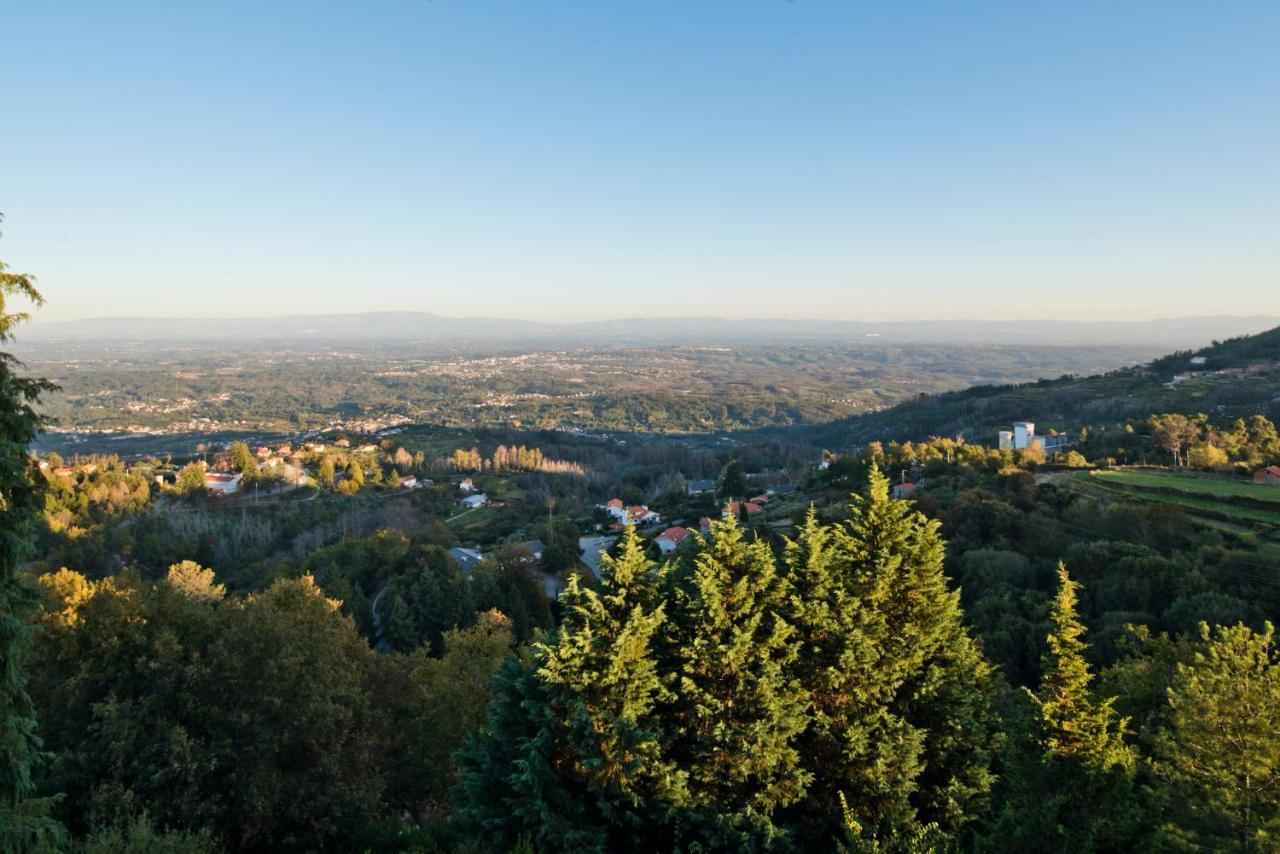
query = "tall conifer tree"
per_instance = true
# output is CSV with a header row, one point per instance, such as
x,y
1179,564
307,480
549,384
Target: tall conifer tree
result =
x,y
1069,776
902,725
572,756
24,821
740,709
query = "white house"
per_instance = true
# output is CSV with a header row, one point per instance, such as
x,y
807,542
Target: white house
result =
x,y
471,502
641,515
222,483
637,514
467,486
669,540
615,508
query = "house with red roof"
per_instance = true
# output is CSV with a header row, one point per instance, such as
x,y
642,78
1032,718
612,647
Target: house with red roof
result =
x,y
1269,476
734,508
638,514
669,540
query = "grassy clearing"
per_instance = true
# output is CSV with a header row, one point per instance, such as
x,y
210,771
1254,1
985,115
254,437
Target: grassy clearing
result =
x,y
1193,485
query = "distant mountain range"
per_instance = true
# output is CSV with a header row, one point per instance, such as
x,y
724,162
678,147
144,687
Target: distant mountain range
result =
x,y
1170,334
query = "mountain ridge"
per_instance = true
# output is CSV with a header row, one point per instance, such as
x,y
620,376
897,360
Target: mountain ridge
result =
x,y
1173,333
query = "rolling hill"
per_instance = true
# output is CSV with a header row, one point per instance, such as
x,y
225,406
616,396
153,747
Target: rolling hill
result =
x,y
1228,379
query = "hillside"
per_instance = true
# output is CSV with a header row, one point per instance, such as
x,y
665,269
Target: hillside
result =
x,y
1237,377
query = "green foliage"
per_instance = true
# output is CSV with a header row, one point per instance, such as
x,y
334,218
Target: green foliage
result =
x,y
726,702
242,459
571,755
190,481
24,821
140,836
902,726
432,706
738,709
1069,782
1219,754
247,716
1072,725
733,484
326,473
195,582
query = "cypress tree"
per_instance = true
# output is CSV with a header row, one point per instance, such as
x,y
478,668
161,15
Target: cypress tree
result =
x,y
901,696
572,755
1069,774
24,821
1072,725
739,709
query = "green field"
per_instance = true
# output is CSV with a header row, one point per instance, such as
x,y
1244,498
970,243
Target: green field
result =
x,y
1195,495
1192,485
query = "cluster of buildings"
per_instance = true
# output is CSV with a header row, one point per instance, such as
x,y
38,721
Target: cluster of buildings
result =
x,y
471,497
636,514
1248,371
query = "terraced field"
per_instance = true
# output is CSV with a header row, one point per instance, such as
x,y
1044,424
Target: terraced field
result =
x,y
1222,504
1191,484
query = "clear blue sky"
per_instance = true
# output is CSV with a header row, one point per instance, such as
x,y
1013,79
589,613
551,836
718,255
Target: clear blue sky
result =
x,y
600,159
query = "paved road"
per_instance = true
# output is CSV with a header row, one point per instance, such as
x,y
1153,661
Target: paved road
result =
x,y
591,548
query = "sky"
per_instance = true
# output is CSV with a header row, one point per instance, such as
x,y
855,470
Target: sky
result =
x,y
586,160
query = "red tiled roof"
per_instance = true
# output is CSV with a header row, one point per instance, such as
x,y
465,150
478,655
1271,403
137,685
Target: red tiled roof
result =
x,y
614,502
638,511
676,534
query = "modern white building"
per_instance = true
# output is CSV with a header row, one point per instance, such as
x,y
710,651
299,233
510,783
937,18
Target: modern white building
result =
x,y
1023,436
471,502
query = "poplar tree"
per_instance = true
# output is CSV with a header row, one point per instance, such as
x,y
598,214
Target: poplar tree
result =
x,y
24,821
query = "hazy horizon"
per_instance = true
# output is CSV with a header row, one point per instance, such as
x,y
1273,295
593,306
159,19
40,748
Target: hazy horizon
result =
x,y
576,162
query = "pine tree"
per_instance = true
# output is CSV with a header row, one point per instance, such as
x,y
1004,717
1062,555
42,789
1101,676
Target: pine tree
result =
x,y
1069,778
1220,754
733,484
24,821
739,709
